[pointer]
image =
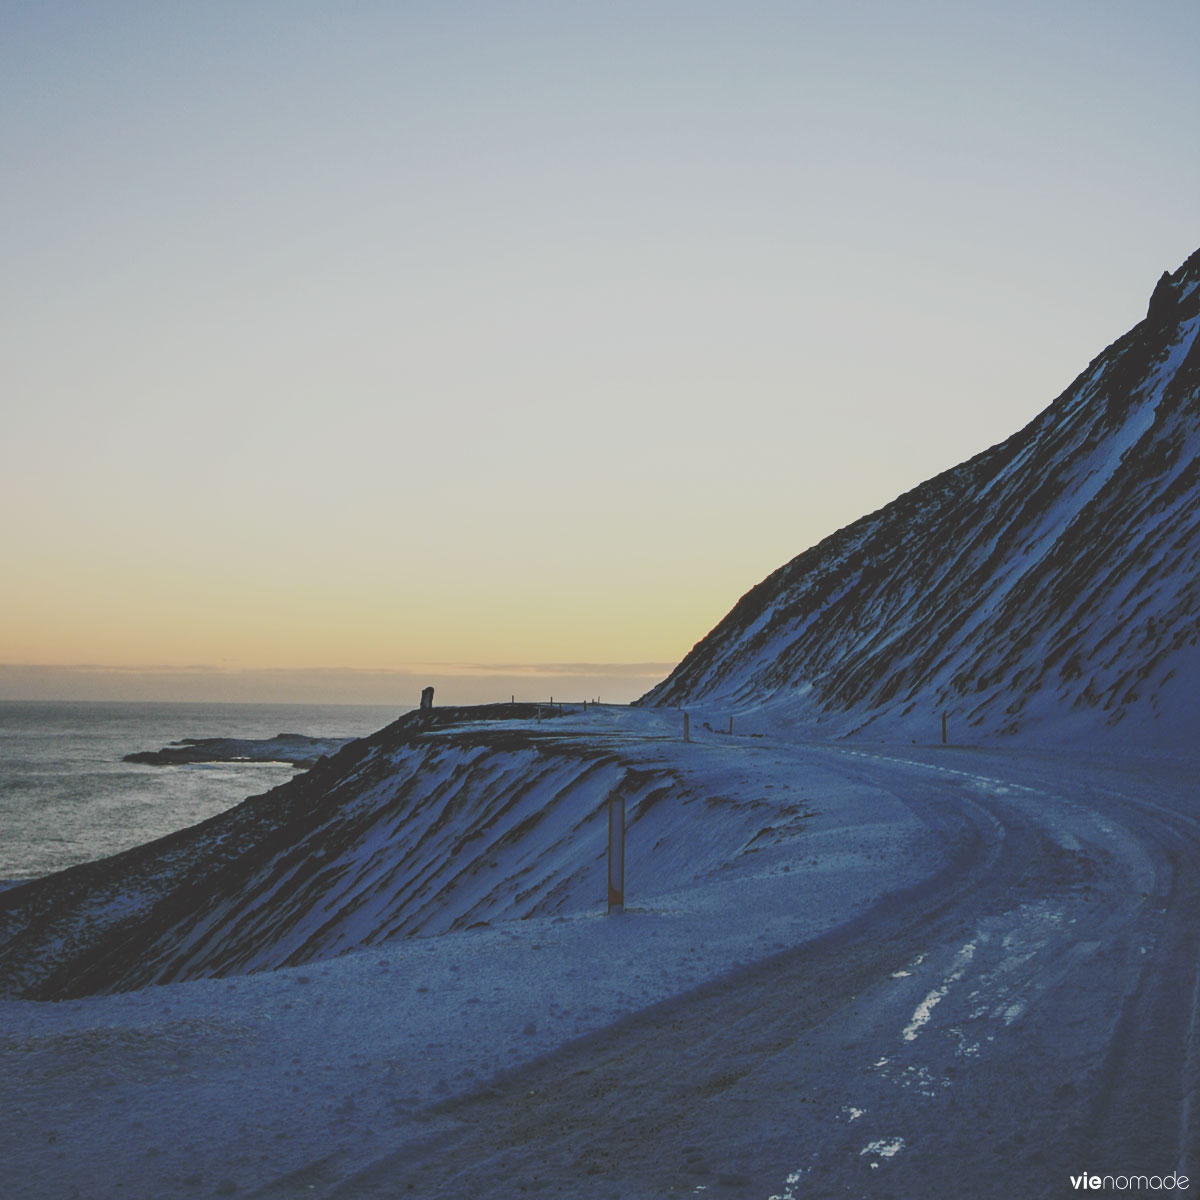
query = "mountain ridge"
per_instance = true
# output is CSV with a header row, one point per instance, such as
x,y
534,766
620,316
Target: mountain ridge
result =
x,y
964,591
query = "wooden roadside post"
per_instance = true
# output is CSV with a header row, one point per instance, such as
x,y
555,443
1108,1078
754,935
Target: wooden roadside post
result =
x,y
687,735
943,727
616,852
730,724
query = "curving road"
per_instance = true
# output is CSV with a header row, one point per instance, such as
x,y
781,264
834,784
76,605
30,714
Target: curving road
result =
x,y
1026,1015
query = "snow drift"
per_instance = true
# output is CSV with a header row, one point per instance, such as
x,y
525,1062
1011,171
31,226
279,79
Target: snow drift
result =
x,y
1048,586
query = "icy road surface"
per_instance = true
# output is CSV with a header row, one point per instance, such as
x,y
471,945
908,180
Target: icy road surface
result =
x,y
955,972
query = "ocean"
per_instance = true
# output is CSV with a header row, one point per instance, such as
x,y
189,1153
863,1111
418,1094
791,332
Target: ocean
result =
x,y
66,797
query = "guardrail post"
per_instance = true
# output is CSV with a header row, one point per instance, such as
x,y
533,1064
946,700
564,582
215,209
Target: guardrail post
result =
x,y
616,852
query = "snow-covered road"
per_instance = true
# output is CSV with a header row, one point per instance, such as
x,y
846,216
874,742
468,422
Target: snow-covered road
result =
x,y
1025,1014
963,972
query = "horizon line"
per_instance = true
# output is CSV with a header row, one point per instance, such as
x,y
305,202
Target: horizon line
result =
x,y
465,668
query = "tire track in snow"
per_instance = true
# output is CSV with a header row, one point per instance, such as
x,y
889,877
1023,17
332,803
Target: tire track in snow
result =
x,y
925,1009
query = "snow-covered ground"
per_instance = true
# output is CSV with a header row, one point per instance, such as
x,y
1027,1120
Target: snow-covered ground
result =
x,y
843,969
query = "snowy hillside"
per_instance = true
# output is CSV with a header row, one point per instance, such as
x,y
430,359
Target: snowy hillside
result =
x,y
841,971
427,827
1048,586
844,968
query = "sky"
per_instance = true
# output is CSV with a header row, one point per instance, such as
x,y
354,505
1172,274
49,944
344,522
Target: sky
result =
x,y
348,345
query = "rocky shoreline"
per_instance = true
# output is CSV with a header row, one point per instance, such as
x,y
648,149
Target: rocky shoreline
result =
x,y
294,748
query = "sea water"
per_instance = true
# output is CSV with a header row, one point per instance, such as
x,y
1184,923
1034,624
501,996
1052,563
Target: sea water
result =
x,y
67,797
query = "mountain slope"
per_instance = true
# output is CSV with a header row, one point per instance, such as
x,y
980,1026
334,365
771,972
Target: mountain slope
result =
x,y
439,823
1047,586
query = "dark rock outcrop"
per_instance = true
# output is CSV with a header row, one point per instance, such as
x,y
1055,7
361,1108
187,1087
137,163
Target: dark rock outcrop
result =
x,y
294,748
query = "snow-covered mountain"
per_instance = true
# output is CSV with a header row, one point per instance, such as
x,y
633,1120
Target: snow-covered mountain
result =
x,y
1049,586
394,974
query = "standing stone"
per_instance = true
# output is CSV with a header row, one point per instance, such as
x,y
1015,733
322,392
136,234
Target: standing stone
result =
x,y
426,699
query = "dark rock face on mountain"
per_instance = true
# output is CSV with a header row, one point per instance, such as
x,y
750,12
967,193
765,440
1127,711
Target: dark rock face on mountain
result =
x,y
1050,586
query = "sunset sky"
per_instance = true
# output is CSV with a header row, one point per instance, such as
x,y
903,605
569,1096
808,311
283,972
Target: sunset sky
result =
x,y
351,344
